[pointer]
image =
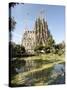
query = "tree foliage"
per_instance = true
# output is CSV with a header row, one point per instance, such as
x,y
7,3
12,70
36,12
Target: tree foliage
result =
x,y
17,50
50,41
12,24
12,21
59,48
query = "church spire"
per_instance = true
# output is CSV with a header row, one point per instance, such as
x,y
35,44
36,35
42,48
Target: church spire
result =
x,y
42,14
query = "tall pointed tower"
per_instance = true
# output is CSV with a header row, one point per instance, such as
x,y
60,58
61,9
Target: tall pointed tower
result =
x,y
41,30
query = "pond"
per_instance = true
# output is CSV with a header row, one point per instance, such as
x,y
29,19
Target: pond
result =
x,y
59,69
32,64
51,75
58,74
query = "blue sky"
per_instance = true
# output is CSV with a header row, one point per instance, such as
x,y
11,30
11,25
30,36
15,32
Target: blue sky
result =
x,y
25,16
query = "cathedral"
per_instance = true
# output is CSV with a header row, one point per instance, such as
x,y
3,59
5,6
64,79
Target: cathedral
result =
x,y
29,41
36,37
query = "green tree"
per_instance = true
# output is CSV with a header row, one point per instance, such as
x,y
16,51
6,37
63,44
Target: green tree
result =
x,y
17,50
50,41
12,22
59,48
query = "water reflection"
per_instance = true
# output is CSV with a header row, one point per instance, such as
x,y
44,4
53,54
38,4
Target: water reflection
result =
x,y
52,75
58,74
59,69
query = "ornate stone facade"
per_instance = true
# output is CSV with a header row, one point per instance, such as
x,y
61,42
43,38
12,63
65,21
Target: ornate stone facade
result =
x,y
29,41
36,37
41,29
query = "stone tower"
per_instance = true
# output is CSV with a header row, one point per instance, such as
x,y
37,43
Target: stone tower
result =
x,y
28,41
41,31
36,37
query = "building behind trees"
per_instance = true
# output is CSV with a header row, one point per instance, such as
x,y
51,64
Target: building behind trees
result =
x,y
37,37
